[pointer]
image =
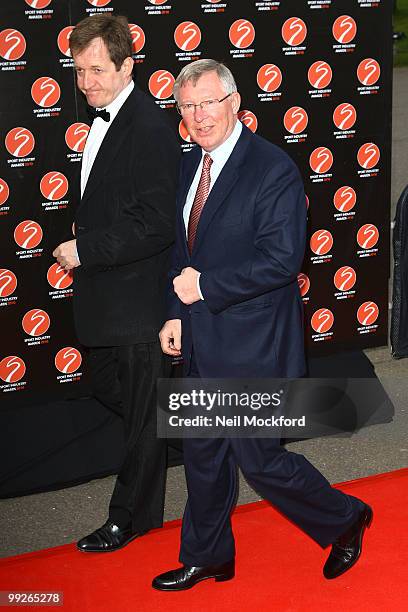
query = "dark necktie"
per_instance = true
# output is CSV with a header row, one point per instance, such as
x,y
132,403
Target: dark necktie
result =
x,y
199,201
102,113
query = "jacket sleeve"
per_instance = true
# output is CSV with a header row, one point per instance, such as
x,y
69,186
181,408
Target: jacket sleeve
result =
x,y
173,304
178,259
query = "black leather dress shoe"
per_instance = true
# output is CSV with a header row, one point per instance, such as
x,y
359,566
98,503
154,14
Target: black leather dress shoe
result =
x,y
347,548
186,577
107,538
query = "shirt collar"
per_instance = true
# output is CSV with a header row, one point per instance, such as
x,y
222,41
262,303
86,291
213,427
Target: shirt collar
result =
x,y
114,107
224,150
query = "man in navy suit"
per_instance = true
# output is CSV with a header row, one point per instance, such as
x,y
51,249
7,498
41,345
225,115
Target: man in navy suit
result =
x,y
235,311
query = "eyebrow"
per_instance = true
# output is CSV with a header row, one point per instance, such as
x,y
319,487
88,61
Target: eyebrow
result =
x,y
93,66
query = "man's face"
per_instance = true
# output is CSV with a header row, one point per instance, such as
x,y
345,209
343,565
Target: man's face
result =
x,y
209,128
97,76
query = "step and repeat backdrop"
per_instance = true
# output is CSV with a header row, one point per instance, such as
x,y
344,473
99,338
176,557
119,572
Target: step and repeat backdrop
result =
x,y
315,78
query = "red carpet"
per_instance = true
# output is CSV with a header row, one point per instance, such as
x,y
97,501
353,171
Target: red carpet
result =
x,y
278,567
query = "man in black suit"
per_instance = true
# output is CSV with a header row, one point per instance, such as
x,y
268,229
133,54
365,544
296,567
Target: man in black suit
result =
x,y
124,226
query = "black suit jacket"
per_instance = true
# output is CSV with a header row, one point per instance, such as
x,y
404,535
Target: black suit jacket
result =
x,y
125,228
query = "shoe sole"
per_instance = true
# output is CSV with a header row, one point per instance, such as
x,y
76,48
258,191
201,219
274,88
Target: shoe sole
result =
x,y
368,519
108,550
219,578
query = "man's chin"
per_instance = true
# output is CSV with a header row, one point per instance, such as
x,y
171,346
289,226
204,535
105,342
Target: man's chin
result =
x,y
204,143
94,101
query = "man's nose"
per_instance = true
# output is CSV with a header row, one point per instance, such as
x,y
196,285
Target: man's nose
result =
x,y
199,113
86,81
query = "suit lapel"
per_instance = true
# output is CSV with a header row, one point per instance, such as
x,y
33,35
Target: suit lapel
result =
x,y
110,146
223,185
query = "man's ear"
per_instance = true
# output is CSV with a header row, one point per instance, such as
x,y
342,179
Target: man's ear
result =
x,y
236,102
127,66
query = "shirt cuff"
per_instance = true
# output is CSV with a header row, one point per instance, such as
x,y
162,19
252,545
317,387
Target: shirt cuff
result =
x,y
76,253
198,287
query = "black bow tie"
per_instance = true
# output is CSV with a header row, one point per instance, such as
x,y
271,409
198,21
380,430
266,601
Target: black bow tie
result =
x,y
103,113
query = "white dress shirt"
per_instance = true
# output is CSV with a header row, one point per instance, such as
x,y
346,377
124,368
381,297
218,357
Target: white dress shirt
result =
x,y
220,157
97,134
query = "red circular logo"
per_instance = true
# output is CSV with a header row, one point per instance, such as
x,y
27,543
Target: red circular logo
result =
x,y
19,142
12,44
68,360
28,234
319,75
295,120
344,29
138,37
304,283
321,160
161,84
368,312
45,92
63,40
214,1
344,116
294,31
242,33
38,4
157,1
269,77
12,369
368,155
36,322
367,236
54,185
322,320
4,192
184,132
321,242
99,2
368,71
345,278
58,277
76,136
8,282
345,198
249,119
187,36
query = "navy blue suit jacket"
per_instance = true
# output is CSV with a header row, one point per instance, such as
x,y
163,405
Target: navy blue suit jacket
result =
x,y
249,248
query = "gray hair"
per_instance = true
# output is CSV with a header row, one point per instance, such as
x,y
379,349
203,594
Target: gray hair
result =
x,y
192,72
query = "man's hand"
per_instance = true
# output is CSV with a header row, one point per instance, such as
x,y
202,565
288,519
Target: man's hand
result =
x,y
170,337
66,255
185,286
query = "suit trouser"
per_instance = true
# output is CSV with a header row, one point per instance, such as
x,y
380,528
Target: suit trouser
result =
x,y
292,484
124,379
